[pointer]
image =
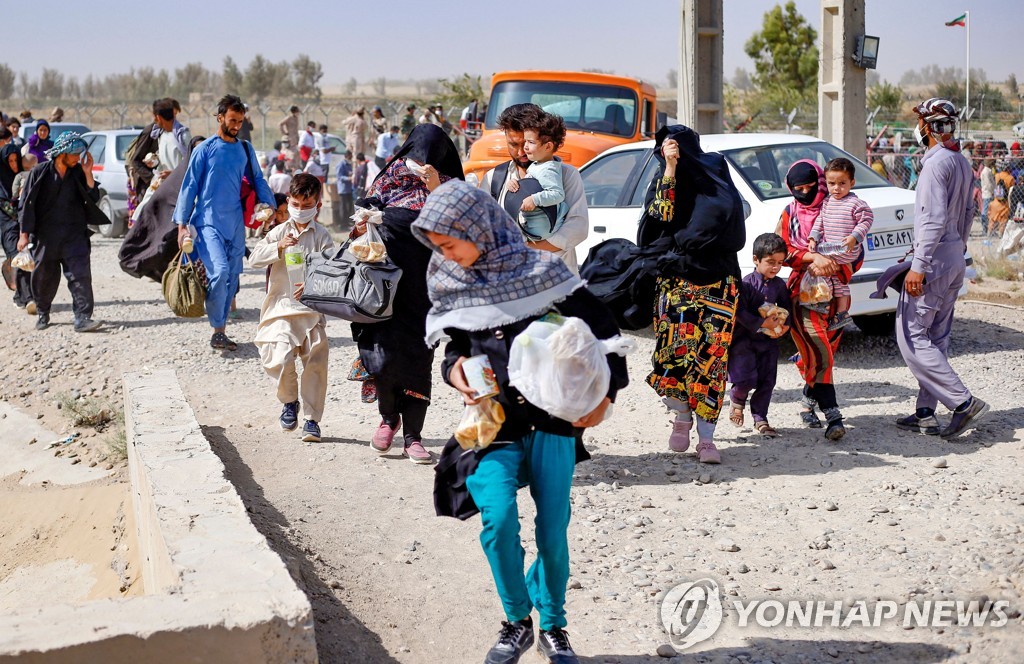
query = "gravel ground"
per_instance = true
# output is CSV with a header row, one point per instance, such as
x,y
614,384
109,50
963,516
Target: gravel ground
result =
x,y
883,514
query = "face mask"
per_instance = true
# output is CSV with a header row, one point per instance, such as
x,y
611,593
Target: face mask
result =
x,y
808,198
921,139
415,168
301,216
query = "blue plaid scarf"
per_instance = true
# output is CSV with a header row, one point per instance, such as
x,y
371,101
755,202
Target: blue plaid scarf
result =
x,y
508,283
69,142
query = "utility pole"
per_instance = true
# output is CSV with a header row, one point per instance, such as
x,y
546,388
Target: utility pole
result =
x,y
842,112
700,80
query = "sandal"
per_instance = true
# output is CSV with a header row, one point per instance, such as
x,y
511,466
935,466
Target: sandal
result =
x,y
765,429
220,341
736,416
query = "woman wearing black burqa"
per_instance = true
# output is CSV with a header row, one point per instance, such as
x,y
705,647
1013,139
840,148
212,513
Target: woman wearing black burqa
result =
x,y
17,280
393,354
695,212
152,242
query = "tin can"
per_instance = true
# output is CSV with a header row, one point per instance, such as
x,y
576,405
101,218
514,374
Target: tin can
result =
x,y
480,376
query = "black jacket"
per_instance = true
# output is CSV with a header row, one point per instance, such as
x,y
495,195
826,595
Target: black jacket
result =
x,y
451,497
37,187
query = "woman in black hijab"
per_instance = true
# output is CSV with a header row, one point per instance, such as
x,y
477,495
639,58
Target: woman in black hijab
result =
x,y
152,241
17,280
695,212
394,353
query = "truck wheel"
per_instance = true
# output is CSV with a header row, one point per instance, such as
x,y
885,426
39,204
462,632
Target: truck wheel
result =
x,y
878,325
118,224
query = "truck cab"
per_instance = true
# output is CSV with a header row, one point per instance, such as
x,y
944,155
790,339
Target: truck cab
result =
x,y
600,111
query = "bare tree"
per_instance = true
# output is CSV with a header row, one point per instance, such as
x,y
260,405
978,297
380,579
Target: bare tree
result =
x,y
7,78
380,86
27,88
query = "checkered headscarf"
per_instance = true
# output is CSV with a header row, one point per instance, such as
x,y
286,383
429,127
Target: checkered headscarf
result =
x,y
507,283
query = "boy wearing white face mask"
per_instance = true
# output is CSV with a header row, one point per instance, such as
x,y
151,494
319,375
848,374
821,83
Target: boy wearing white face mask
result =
x,y
287,328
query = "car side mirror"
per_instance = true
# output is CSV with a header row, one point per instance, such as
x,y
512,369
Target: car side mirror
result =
x,y
746,209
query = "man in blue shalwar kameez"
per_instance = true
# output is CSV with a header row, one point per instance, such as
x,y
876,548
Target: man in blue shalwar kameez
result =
x,y
210,200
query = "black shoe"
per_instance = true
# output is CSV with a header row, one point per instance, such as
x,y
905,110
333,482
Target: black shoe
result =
x,y
926,425
554,645
514,639
43,321
961,418
87,325
835,429
810,419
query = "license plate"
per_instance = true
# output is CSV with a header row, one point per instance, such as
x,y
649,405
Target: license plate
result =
x,y
889,239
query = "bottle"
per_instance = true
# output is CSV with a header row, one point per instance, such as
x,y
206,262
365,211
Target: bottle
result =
x,y
295,261
186,245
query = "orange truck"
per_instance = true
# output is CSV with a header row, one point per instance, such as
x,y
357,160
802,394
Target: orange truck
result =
x,y
600,111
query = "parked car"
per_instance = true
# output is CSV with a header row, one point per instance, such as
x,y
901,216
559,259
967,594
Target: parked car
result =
x,y
616,183
56,128
108,150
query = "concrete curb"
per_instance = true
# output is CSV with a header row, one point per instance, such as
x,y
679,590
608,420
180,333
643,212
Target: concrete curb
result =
x,y
215,592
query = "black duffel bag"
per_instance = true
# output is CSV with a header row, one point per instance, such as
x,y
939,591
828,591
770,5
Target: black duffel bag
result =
x,y
340,285
623,276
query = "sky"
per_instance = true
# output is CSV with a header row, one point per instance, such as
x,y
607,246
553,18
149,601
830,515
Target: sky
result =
x,y
441,38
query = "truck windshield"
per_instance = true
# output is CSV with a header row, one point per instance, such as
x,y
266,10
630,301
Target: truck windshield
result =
x,y
603,109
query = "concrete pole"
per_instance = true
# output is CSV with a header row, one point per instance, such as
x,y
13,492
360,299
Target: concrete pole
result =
x,y
700,65
842,107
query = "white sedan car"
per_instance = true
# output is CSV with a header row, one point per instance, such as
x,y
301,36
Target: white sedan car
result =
x,y
617,181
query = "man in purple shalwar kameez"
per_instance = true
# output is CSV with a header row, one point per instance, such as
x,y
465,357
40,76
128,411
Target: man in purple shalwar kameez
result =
x,y
943,213
754,353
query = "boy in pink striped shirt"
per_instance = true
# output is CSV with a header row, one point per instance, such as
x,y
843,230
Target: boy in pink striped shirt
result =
x,y
840,231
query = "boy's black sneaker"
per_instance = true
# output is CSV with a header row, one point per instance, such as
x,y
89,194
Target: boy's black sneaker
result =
x,y
962,418
554,645
290,416
43,321
926,425
514,639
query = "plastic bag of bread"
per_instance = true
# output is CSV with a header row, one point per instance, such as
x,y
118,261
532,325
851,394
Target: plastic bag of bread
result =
x,y
480,424
771,309
369,247
814,290
23,260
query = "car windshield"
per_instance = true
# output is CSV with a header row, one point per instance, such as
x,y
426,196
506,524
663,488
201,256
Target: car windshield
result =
x,y
603,109
765,167
123,142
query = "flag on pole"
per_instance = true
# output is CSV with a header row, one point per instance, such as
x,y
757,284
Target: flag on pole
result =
x,y
960,21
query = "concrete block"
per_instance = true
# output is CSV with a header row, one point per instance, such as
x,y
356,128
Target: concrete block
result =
x,y
214,590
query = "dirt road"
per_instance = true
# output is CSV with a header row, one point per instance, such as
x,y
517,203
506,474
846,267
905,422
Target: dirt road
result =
x,y
882,515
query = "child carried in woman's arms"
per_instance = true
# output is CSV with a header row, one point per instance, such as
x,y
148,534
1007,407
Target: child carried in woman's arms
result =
x,y
542,213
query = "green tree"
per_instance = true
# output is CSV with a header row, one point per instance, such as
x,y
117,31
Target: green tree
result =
x,y
307,73
784,51
887,96
456,93
259,78
7,78
232,76
1011,85
281,76
193,77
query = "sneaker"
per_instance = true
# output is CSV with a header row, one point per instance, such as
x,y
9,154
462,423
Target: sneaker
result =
x,y
290,416
417,453
839,321
87,325
310,432
514,639
43,321
926,425
384,436
30,308
707,452
961,418
554,645
679,440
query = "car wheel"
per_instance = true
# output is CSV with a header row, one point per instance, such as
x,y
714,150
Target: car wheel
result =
x,y
118,224
878,325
